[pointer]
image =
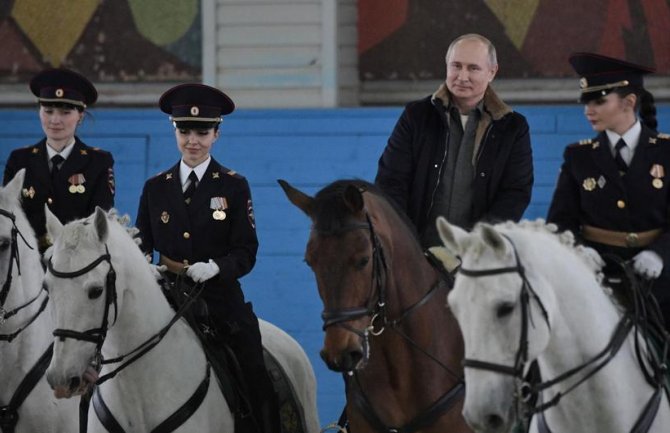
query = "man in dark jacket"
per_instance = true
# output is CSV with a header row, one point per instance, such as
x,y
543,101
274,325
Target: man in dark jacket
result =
x,y
462,152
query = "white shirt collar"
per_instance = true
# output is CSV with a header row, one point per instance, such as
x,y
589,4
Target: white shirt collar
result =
x,y
200,169
67,150
631,137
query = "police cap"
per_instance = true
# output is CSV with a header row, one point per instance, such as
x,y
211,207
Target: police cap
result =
x,y
196,103
63,86
601,74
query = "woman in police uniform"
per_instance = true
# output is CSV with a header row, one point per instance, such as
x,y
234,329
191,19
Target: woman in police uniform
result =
x,y
613,190
199,217
62,171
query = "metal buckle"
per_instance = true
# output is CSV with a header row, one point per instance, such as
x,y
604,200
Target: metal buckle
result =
x,y
632,239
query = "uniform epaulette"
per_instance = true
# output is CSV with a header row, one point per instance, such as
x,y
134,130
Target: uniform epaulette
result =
x,y
585,141
233,173
663,136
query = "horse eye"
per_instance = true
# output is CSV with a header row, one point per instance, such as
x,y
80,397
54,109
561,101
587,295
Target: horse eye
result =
x,y
362,262
4,244
504,310
94,292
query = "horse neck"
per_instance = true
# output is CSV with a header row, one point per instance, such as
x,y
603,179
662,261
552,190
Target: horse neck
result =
x,y
20,354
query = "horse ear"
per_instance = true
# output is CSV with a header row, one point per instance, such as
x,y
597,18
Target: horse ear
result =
x,y
101,224
353,199
453,237
54,226
301,200
13,188
492,238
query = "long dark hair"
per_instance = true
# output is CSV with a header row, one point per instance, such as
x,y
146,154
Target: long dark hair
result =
x,y
644,105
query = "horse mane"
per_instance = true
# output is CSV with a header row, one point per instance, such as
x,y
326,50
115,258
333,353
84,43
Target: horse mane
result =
x,y
587,255
331,214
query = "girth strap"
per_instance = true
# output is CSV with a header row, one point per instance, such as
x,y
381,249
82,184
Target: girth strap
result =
x,y
170,424
9,415
421,421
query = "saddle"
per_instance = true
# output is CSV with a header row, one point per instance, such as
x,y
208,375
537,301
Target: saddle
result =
x,y
227,369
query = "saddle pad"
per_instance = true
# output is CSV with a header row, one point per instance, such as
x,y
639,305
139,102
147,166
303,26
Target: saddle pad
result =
x,y
291,413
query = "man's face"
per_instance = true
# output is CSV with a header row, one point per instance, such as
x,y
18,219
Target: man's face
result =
x,y
469,72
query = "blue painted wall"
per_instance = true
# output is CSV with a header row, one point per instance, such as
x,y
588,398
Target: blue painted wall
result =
x,y
308,148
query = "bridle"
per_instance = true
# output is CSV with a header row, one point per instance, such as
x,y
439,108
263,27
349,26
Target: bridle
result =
x,y
526,390
376,308
94,335
14,258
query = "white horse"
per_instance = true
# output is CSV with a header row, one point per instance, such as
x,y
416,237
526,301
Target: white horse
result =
x,y
25,328
525,293
118,314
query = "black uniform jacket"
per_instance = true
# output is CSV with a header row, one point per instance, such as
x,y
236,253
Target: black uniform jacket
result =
x,y
190,232
87,167
590,191
414,159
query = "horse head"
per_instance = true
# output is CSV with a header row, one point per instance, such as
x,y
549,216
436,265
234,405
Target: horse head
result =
x,y
504,313
93,266
356,236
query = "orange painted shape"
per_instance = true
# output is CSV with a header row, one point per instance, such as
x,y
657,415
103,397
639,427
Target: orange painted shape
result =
x,y
377,19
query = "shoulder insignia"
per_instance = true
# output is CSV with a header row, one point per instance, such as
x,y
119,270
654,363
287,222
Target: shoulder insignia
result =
x,y
168,176
215,175
83,152
231,173
585,141
663,135
35,150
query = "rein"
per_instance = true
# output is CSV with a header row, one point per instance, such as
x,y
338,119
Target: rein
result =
x,y
376,310
529,390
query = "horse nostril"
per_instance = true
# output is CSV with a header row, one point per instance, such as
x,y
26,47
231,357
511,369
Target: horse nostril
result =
x,y
74,383
494,421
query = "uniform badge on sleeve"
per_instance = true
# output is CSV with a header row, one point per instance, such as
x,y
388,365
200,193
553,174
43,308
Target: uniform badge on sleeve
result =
x,y
28,192
110,180
250,214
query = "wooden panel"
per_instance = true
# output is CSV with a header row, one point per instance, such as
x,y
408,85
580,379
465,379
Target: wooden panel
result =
x,y
273,57
273,78
269,14
270,35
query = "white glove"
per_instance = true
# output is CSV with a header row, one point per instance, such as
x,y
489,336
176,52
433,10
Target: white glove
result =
x,y
156,270
648,264
201,271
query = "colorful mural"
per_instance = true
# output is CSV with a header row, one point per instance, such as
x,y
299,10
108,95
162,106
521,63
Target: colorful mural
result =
x,y
407,39
106,40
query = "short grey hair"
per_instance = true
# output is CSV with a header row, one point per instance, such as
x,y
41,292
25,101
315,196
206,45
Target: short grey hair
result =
x,y
493,57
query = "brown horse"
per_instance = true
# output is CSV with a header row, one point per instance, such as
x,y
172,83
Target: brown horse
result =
x,y
385,322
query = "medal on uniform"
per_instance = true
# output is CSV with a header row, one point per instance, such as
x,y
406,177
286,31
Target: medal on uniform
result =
x,y
602,181
589,184
28,192
219,204
658,172
165,217
77,184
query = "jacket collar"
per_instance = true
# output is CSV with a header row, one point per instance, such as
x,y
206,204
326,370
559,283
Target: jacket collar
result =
x,y
493,105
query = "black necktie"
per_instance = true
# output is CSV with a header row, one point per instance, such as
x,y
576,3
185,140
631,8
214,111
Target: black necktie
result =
x,y
56,161
188,193
620,163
